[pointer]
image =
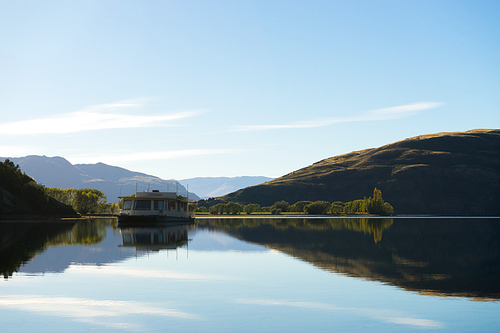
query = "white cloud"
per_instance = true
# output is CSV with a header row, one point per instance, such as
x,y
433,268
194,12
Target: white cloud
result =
x,y
388,316
107,313
91,119
391,113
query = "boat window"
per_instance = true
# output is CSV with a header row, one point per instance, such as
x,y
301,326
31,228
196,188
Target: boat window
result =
x,y
158,205
142,205
127,238
144,238
158,238
127,204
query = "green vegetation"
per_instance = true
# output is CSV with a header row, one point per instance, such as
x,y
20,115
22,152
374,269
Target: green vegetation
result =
x,y
22,195
84,201
373,205
22,186
318,208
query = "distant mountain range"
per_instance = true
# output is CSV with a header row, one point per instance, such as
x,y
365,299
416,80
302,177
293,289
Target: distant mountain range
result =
x,y
444,174
207,187
115,181
111,180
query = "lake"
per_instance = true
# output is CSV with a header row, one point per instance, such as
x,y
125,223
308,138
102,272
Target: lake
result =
x,y
253,275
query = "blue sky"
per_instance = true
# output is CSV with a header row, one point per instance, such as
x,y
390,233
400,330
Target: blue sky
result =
x,y
182,89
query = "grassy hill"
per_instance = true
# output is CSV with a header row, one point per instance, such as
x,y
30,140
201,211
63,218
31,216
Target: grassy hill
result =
x,y
443,173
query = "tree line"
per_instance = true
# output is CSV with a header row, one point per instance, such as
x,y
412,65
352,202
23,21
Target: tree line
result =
x,y
84,201
372,205
13,180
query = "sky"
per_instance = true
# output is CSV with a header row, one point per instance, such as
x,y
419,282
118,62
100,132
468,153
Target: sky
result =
x,y
183,89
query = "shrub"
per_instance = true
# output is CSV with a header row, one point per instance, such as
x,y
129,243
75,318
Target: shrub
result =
x,y
318,208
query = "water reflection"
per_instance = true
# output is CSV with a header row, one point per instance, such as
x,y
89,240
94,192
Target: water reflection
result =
x,y
110,314
156,238
20,242
442,257
371,226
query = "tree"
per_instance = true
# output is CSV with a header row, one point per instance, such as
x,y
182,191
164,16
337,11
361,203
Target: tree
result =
x,y
193,207
283,205
318,208
251,208
234,208
275,211
337,208
221,208
299,206
19,184
62,195
213,210
377,205
88,200
354,206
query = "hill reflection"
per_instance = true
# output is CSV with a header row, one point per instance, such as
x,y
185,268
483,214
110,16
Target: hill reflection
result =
x,y
445,257
21,242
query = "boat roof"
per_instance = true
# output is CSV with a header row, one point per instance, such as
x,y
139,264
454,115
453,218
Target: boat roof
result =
x,y
157,195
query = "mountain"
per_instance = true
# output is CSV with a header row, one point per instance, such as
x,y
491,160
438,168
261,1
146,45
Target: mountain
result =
x,y
207,187
444,173
111,180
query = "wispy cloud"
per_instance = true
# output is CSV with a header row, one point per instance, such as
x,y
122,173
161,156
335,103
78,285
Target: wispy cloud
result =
x,y
150,156
388,316
106,313
97,117
145,273
391,113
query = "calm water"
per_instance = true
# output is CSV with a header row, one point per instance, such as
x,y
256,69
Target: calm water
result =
x,y
253,275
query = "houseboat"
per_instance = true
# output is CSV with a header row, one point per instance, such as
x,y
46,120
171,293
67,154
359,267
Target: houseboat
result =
x,y
155,206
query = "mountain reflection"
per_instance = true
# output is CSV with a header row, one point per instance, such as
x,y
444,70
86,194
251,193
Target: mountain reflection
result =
x,y
21,242
445,257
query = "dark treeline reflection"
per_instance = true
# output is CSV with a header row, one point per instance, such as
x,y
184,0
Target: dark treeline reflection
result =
x,y
20,242
446,257
373,227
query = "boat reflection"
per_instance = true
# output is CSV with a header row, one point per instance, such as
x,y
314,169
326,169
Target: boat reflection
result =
x,y
155,238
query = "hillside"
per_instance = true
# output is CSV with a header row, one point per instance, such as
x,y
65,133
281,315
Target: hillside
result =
x,y
443,173
207,187
22,198
111,180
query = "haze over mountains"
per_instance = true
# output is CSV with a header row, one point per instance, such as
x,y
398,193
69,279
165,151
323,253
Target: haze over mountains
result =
x,y
207,187
111,180
444,174
114,181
